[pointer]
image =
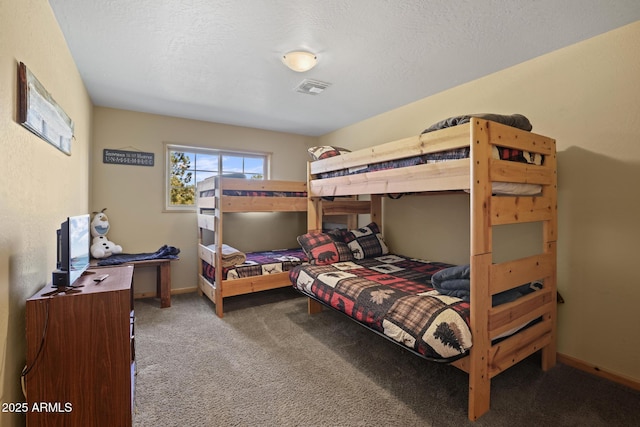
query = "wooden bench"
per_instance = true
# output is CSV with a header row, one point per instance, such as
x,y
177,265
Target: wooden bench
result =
x,y
163,277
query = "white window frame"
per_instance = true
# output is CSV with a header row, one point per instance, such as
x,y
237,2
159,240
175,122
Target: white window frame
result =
x,y
169,147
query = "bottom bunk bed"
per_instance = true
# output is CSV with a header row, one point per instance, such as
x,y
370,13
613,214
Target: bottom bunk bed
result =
x,y
425,306
422,305
251,271
394,296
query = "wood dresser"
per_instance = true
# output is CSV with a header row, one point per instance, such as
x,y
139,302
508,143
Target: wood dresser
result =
x,y
80,368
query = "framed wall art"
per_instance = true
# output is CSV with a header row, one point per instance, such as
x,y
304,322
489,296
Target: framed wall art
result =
x,y
38,112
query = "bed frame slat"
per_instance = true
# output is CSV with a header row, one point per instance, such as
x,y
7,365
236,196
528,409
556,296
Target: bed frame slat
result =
x,y
511,137
446,139
514,210
207,202
243,184
346,207
206,254
508,275
263,204
509,316
247,285
451,175
207,222
519,346
506,171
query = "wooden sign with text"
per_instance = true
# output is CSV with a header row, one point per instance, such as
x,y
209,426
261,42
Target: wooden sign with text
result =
x,y
131,158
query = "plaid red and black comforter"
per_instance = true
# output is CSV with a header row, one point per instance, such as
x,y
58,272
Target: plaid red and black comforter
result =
x,y
392,294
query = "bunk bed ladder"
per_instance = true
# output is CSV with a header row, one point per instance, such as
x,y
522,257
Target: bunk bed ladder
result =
x,y
486,358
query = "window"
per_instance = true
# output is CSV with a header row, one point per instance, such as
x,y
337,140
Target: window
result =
x,y
186,166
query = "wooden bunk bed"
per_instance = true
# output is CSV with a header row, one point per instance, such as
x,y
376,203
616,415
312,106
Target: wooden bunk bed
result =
x,y
216,196
476,175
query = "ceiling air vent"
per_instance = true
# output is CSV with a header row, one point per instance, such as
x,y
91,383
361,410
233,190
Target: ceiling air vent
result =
x,y
312,87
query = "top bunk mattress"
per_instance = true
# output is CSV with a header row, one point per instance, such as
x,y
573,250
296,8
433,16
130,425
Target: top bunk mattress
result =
x,y
501,153
254,193
498,153
232,194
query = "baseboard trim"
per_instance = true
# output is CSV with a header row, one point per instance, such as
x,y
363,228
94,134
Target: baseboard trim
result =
x,y
152,294
184,290
596,370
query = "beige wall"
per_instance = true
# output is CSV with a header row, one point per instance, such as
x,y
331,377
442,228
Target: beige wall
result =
x,y
39,185
586,96
133,195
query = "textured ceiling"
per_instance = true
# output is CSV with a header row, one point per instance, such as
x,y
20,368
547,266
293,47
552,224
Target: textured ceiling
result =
x,y
220,60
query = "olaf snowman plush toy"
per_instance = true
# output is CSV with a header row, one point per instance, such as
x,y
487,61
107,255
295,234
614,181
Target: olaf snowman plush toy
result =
x,y
101,246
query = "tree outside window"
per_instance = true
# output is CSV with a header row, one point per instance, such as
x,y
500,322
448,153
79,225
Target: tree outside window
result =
x,y
188,166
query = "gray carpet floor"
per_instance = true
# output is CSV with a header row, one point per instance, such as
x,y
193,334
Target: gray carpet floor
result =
x,y
268,363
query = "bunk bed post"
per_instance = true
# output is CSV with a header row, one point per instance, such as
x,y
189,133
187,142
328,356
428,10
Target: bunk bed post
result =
x,y
217,291
314,207
200,240
314,215
376,209
550,235
314,223
480,260
549,351
479,376
352,221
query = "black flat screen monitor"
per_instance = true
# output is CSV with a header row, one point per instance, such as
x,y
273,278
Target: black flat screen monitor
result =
x,y
74,240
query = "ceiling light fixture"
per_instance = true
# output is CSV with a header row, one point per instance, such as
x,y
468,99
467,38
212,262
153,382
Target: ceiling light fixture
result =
x,y
300,61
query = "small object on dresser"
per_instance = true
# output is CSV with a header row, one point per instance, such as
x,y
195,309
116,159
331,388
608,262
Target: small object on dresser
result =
x,y
100,278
